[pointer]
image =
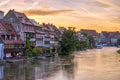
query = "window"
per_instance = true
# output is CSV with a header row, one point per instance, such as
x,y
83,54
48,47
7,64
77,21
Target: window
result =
x,y
8,36
17,27
47,42
11,19
3,36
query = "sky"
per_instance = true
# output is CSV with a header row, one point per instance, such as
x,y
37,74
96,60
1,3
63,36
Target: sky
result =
x,y
101,15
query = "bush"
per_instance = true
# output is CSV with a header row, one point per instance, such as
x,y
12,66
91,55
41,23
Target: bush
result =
x,y
118,51
37,51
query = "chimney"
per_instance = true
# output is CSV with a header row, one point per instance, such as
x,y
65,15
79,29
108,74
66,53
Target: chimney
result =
x,y
13,10
1,14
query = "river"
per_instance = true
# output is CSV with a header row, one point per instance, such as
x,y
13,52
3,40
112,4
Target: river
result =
x,y
95,64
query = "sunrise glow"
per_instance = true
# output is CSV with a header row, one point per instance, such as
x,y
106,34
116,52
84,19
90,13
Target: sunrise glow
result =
x,y
88,14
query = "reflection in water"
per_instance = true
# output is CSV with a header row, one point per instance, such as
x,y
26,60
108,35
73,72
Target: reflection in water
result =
x,y
14,71
1,72
40,70
52,70
96,64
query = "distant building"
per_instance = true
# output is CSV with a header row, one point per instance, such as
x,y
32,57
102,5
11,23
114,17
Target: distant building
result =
x,y
114,37
81,36
62,29
103,39
92,33
110,38
51,37
39,33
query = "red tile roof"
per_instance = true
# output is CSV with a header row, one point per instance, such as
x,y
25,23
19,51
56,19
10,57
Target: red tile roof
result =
x,y
2,29
7,29
109,35
22,17
90,32
34,23
18,14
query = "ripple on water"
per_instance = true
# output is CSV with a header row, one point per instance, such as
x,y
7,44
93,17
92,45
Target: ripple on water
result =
x,y
94,64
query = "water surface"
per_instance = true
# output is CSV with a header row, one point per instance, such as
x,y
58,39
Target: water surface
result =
x,y
95,64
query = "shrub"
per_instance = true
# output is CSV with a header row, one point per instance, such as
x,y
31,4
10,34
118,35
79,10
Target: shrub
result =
x,y
37,51
118,51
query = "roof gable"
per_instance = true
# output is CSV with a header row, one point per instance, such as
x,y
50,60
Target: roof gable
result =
x,y
22,17
34,22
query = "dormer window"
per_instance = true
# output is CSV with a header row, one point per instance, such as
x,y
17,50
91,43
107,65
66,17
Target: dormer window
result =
x,y
21,18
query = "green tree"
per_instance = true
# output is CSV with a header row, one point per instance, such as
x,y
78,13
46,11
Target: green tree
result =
x,y
118,41
82,45
28,48
118,45
68,41
91,41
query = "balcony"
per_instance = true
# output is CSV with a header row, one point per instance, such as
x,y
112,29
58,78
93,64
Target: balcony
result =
x,y
47,39
32,39
52,42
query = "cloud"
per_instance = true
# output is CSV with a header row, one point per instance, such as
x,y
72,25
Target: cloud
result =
x,y
91,13
30,1
100,4
33,5
46,12
3,3
107,3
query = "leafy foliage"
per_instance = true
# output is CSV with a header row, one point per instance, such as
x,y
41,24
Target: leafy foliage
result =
x,y
118,51
47,50
82,45
118,41
28,48
68,41
37,51
91,41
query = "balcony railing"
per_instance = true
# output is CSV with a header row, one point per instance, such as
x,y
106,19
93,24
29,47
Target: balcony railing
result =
x,y
32,39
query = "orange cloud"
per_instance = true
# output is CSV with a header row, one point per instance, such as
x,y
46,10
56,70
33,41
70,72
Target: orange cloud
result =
x,y
46,12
